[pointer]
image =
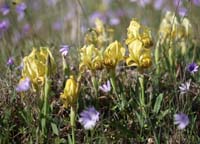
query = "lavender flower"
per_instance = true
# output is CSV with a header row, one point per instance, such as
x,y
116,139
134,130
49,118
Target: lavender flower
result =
x,y
26,29
182,11
184,87
97,15
181,120
10,61
52,2
89,118
23,85
105,87
142,3
196,2
57,25
64,49
114,21
192,68
158,4
20,9
4,25
177,3
5,9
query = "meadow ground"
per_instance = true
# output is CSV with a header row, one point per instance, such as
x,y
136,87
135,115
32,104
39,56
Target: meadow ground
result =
x,y
100,71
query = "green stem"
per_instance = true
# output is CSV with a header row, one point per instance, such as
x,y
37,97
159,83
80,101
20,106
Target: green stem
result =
x,y
120,97
72,122
45,106
92,134
157,57
65,67
95,85
141,96
142,99
113,82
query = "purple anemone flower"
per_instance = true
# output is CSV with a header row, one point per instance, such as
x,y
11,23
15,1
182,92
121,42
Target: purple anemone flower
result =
x,y
181,120
5,9
23,85
196,2
64,49
105,87
192,68
4,25
20,9
10,61
57,25
89,118
177,3
114,21
158,4
26,29
182,11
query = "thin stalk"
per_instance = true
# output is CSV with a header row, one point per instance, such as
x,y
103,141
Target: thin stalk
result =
x,y
45,106
120,97
72,122
65,67
95,85
113,82
141,96
142,99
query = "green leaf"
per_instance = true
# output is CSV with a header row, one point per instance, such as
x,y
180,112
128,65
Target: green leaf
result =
x,y
69,139
158,103
54,128
163,114
140,119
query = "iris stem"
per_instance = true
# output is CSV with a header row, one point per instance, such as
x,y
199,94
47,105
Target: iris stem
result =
x,y
45,109
120,97
113,82
142,98
72,122
141,81
65,67
95,85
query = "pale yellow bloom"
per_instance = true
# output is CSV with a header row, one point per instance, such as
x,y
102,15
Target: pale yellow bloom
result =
x,y
137,31
138,55
99,26
99,35
35,66
91,58
70,94
139,42
91,37
172,29
113,54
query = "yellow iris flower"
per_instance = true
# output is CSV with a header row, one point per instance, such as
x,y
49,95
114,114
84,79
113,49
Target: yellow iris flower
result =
x,y
99,35
70,94
35,65
90,58
137,31
113,54
139,42
138,55
171,28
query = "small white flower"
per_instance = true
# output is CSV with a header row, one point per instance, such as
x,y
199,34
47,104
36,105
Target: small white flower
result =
x,y
64,49
184,87
105,87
